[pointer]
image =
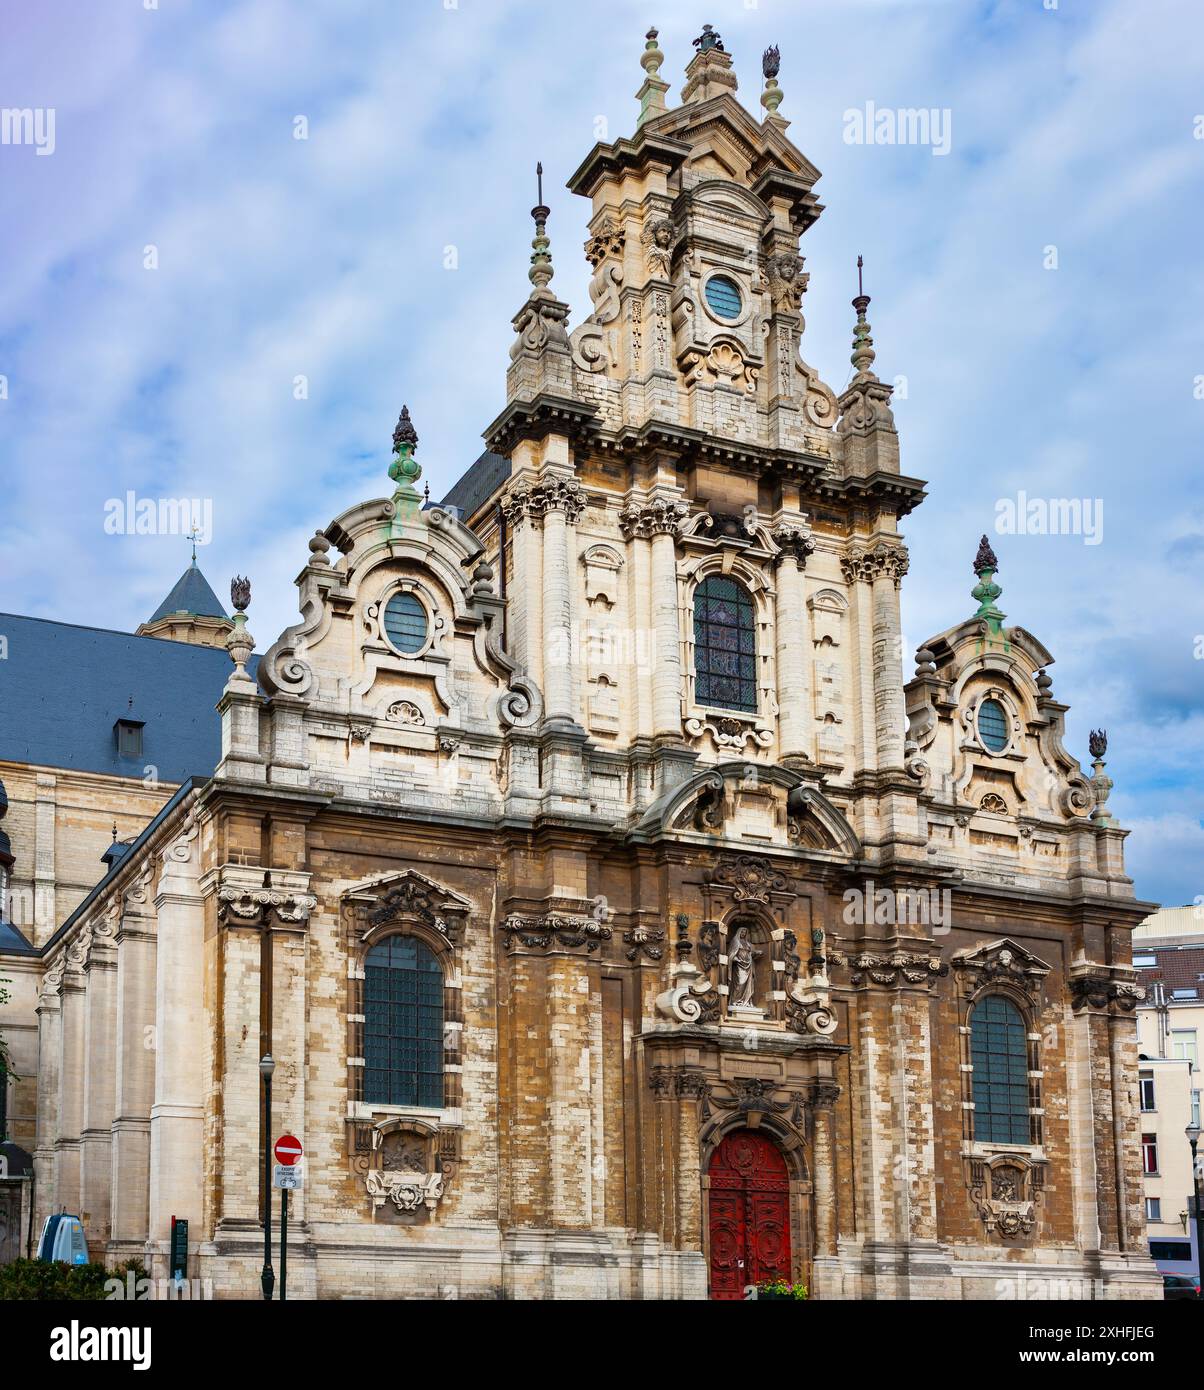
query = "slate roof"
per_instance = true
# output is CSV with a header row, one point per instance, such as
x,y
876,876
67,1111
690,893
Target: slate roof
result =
x,y
13,941
479,484
1179,967
191,594
63,687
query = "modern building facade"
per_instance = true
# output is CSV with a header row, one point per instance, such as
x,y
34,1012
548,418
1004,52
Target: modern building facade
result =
x,y
1168,953
622,920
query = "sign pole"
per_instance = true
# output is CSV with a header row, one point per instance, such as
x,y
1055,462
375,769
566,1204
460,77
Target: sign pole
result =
x,y
283,1243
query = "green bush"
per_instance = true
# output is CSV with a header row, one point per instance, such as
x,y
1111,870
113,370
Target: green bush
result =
x,y
45,1280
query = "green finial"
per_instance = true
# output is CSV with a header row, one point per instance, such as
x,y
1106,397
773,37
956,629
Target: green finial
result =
x,y
541,272
863,345
986,591
405,470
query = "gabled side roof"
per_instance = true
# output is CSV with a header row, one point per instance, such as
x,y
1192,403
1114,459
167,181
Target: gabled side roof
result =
x,y
62,689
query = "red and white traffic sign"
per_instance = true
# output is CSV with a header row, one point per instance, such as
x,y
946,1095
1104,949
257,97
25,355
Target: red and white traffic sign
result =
x,y
287,1150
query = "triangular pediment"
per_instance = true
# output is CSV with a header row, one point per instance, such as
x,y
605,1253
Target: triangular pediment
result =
x,y
1004,957
722,122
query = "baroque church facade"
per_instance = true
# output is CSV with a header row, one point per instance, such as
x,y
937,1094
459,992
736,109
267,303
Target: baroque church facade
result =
x,y
622,920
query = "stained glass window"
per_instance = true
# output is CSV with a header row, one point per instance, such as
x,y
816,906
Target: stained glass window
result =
x,y
725,647
993,725
723,295
405,623
403,1024
999,1053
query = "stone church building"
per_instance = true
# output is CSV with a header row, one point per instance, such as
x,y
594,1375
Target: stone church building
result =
x,y
623,920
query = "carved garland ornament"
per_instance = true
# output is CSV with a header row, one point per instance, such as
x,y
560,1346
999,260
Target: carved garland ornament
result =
x,y
554,929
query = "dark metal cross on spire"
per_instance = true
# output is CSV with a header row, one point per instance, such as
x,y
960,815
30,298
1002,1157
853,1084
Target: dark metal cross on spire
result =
x,y
860,289
539,178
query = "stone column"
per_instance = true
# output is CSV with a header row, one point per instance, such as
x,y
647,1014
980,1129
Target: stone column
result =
x,y
889,567
660,518
666,670
824,1099
135,1091
177,1115
49,1114
561,506
690,1087
71,1082
99,1081
792,624
857,568
524,616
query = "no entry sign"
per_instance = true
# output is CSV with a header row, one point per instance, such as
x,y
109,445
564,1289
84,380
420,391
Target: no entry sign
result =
x,y
287,1150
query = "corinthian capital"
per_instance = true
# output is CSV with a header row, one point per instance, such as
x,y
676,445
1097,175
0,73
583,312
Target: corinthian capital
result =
x,y
662,516
795,542
534,503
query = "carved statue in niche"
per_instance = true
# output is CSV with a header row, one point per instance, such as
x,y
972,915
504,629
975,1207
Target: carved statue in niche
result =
x,y
742,970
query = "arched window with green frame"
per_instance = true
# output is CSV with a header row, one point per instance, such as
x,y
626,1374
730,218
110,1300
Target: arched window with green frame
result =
x,y
999,1057
403,1024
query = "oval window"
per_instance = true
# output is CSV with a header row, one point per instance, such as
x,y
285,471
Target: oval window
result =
x,y
406,623
993,725
723,295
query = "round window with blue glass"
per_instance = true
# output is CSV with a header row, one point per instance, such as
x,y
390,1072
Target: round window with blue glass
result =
x,y
993,726
406,624
723,296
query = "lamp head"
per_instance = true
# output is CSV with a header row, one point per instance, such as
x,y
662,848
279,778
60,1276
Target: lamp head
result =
x,y
1193,1133
267,1066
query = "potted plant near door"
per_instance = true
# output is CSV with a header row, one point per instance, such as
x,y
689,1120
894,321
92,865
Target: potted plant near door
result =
x,y
777,1288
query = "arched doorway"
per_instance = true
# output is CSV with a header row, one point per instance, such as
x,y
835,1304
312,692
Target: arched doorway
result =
x,y
749,1210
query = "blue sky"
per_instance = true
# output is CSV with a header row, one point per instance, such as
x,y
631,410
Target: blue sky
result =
x,y
1076,127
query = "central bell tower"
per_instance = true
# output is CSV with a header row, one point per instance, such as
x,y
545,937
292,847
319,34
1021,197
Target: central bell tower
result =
x,y
675,450
698,281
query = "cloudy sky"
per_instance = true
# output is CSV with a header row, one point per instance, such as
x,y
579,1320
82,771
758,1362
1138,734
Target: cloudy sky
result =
x,y
181,259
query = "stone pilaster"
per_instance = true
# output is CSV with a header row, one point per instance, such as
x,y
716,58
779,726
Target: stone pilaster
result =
x,y
792,625
889,566
50,1096
135,1082
659,520
823,1099
99,1079
177,1115
72,1060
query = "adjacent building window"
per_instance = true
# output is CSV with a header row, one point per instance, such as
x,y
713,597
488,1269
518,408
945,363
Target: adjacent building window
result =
x,y
403,1024
1153,1208
993,725
1195,1108
1183,1046
1149,1153
406,623
725,645
1147,1092
999,1055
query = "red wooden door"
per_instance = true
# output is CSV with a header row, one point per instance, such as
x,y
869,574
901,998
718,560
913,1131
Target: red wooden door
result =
x,y
749,1213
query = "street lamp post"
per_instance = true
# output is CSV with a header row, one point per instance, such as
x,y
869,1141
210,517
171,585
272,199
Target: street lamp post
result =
x,y
268,1279
1193,1138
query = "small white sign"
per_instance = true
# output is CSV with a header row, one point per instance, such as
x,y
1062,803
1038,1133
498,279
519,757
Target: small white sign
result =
x,y
286,1177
